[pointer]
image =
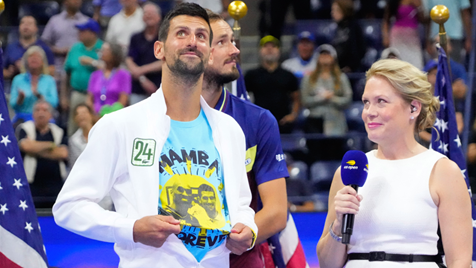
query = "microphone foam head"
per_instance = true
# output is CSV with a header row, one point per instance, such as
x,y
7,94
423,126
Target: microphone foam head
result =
x,y
354,168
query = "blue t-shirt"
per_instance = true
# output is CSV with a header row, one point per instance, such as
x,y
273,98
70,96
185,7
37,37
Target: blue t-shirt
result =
x,y
15,52
191,186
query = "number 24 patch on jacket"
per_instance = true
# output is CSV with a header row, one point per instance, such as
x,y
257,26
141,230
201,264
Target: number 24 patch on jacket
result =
x,y
143,152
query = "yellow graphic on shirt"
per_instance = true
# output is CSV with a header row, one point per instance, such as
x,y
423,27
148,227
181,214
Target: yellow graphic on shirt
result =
x,y
192,200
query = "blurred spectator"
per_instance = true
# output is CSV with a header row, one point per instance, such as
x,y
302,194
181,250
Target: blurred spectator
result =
x,y
459,76
298,190
403,35
84,118
80,63
145,69
348,41
125,23
273,87
460,19
390,53
305,62
217,6
60,32
43,146
111,84
32,84
273,14
326,92
28,31
104,10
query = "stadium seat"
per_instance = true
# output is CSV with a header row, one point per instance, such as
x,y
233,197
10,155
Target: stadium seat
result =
x,y
353,115
321,174
298,171
371,28
41,11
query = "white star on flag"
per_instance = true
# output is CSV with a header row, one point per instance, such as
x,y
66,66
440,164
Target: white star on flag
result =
x,y
458,141
462,172
443,81
437,124
3,208
1,119
1,187
444,125
28,227
470,193
444,147
23,205
17,183
11,161
474,223
5,140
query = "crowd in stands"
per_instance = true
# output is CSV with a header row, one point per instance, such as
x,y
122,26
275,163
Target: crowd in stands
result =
x,y
84,65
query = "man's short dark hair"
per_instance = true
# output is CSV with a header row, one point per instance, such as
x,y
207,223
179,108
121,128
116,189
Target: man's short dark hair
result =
x,y
188,9
206,188
212,16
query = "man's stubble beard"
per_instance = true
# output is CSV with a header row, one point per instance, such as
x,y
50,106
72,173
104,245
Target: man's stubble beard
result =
x,y
190,73
213,76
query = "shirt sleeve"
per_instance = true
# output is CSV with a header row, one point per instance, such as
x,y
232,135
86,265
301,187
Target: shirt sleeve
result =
x,y
464,4
50,93
47,34
133,53
49,54
269,163
249,81
293,82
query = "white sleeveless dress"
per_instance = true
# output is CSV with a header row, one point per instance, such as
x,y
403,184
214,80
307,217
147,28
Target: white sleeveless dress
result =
x,y
397,214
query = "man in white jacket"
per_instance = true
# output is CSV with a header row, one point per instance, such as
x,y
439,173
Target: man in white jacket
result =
x,y
152,157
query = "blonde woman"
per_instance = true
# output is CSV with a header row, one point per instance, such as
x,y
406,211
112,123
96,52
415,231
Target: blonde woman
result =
x,y
326,92
32,84
409,191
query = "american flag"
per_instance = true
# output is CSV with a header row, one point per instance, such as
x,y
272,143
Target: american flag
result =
x,y
446,140
21,244
240,85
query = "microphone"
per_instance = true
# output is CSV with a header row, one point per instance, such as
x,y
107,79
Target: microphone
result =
x,y
354,171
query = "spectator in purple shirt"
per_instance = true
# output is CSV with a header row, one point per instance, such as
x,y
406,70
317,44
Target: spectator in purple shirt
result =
x,y
28,31
111,84
60,32
145,69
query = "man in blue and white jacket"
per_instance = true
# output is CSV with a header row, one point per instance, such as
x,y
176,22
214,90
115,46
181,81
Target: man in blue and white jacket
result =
x,y
153,158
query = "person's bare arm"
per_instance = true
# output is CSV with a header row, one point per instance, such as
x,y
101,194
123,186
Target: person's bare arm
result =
x,y
97,13
123,99
449,192
65,91
386,28
273,216
296,96
32,147
51,70
56,152
459,89
137,71
472,153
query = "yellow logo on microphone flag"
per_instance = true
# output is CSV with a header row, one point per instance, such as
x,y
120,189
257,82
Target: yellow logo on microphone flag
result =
x,y
351,162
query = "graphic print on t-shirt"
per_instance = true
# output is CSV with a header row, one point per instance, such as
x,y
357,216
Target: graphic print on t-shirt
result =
x,y
191,186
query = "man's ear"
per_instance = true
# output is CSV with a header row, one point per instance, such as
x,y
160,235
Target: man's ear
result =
x,y
210,58
159,50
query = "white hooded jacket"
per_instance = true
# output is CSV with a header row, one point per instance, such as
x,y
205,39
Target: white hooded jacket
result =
x,y
107,167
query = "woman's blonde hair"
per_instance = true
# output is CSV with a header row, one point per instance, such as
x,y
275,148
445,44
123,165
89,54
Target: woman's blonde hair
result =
x,y
412,84
24,60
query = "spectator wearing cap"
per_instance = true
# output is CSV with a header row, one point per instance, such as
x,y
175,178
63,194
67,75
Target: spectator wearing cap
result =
x,y
348,41
326,92
28,37
125,23
60,32
304,62
81,61
273,87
